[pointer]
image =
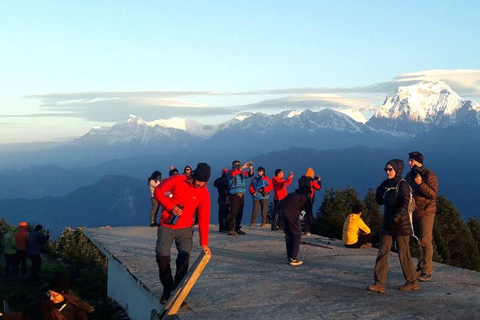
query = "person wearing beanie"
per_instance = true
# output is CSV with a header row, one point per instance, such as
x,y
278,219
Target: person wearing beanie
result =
x,y
315,184
394,194
180,197
260,188
290,209
221,183
236,191
58,304
153,181
356,234
424,185
21,237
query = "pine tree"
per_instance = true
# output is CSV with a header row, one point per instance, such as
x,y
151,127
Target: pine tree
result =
x,y
453,238
474,226
335,207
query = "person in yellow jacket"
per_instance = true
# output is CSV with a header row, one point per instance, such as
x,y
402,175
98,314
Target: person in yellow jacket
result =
x,y
356,234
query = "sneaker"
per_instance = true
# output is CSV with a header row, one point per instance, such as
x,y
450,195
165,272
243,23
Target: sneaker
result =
x,y
153,224
425,277
409,286
238,231
376,288
232,233
295,262
252,224
366,246
307,233
262,225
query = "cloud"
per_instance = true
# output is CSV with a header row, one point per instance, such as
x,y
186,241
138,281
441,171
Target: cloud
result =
x,y
117,106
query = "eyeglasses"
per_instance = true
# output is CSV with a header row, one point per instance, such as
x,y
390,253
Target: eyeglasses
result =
x,y
388,169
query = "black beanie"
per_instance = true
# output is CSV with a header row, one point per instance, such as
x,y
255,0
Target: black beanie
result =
x,y
357,208
417,156
60,283
202,172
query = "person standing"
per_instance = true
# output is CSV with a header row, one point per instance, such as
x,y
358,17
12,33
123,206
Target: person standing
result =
x,y
260,188
315,184
394,194
221,183
180,196
424,185
236,191
153,181
356,234
34,245
279,192
290,210
187,170
21,237
10,253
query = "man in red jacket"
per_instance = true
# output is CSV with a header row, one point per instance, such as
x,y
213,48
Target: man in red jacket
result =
x,y
180,197
280,192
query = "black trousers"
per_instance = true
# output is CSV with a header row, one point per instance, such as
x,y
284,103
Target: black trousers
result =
x,y
277,221
362,239
36,265
293,233
10,265
22,260
237,201
223,211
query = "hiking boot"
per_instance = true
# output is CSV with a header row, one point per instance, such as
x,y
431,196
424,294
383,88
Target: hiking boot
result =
x,y
252,224
232,233
366,246
409,286
295,262
425,277
238,231
376,288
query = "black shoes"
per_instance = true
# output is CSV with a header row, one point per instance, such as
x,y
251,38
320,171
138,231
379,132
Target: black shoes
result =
x,y
425,277
153,224
238,231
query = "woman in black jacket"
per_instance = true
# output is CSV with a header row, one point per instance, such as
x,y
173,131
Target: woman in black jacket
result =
x,y
394,194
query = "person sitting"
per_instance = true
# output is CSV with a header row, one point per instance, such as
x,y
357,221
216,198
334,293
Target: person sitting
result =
x,y
356,234
60,303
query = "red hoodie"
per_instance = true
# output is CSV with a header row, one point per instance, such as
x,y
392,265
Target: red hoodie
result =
x,y
21,237
280,187
191,198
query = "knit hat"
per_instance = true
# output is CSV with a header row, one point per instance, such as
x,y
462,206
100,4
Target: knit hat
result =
x,y
310,173
202,172
60,283
417,156
225,170
23,224
357,208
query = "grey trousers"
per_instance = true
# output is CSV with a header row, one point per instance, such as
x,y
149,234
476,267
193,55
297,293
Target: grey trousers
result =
x,y
406,261
183,241
423,227
264,206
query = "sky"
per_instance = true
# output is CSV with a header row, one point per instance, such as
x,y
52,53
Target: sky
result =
x,y
67,66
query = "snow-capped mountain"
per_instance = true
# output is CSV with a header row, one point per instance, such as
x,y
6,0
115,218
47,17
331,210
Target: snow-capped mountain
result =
x,y
423,106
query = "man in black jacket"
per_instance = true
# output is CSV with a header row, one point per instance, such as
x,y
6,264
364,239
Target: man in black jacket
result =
x,y
221,183
424,184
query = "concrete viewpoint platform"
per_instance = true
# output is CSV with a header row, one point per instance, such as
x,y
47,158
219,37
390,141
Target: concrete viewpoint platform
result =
x,y
248,278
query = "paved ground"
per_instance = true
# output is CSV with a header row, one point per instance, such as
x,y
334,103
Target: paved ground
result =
x,y
248,278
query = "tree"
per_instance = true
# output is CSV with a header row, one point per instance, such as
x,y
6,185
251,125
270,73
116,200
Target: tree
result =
x,y
453,238
474,226
371,215
335,207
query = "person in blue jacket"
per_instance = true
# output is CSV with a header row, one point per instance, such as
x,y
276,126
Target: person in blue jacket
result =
x,y
260,188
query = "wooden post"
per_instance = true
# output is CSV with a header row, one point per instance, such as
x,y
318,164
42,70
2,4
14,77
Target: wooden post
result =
x,y
181,292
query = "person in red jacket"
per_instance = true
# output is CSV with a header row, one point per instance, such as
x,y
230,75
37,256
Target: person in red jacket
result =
x,y
180,197
21,237
279,192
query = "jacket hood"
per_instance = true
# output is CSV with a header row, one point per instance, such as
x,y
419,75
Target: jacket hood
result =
x,y
398,166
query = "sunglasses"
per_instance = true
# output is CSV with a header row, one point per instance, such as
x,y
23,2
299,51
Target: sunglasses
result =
x,y
388,169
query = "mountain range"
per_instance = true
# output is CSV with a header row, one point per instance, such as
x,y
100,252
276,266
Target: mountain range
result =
x,y
429,117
